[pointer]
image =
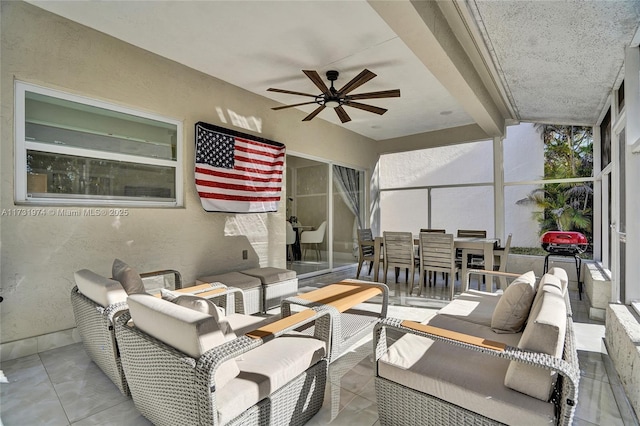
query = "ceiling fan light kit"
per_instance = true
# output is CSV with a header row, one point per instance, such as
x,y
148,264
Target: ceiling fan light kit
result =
x,y
336,99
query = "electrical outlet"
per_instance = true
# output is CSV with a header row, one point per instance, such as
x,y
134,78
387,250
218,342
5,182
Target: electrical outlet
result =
x,y
245,254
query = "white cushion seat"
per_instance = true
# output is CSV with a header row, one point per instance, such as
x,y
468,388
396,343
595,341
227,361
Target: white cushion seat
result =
x,y
264,370
451,373
473,306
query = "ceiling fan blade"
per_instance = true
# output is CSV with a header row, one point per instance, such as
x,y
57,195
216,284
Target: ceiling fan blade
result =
x,y
365,107
290,92
342,114
317,80
314,113
357,81
294,105
395,93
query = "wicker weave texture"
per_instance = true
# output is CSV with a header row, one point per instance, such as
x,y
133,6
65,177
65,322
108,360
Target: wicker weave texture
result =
x,y
293,404
275,293
160,378
399,405
98,337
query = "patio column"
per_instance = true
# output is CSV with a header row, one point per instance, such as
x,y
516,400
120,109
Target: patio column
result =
x,y
632,173
498,188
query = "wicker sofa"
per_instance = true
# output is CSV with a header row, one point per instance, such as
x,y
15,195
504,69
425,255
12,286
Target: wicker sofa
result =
x,y
187,367
477,362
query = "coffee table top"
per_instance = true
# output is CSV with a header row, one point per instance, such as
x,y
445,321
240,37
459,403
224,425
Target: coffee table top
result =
x,y
343,295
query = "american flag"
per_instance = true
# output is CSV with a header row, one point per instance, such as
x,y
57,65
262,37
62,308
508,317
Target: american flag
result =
x,y
236,173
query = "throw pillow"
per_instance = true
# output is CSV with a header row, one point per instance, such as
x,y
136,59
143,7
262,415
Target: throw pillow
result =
x,y
128,277
513,308
203,305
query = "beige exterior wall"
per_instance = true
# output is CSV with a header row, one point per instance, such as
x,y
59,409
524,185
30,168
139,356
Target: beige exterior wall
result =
x,y
40,254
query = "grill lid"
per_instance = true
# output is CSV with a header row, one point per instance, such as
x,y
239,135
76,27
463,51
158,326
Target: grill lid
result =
x,y
564,242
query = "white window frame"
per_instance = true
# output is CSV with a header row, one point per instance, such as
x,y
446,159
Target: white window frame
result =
x,y
22,145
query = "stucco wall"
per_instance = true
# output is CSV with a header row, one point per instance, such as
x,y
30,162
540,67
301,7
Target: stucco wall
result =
x,y
39,254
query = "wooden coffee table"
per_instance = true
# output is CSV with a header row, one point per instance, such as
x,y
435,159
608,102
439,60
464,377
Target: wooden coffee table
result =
x,y
349,324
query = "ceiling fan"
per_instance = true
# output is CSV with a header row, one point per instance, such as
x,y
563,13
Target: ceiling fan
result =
x,y
336,99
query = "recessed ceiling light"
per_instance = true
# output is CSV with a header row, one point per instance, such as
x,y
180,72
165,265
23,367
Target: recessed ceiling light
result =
x,y
446,112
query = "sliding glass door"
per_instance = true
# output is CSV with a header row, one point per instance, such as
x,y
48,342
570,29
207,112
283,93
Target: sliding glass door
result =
x,y
324,206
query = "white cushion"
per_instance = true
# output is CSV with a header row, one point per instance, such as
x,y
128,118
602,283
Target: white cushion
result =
x,y
562,276
203,305
128,277
101,290
233,279
266,369
544,333
270,275
187,330
513,308
473,306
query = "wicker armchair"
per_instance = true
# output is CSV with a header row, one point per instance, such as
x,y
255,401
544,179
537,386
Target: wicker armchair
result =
x,y
171,387
95,306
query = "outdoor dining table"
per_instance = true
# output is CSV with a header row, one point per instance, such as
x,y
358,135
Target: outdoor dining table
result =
x,y
468,245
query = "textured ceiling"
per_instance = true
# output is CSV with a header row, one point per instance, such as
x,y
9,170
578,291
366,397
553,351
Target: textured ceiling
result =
x,y
559,59
556,61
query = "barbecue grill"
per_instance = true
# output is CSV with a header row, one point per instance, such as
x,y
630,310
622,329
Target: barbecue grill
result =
x,y
564,243
561,243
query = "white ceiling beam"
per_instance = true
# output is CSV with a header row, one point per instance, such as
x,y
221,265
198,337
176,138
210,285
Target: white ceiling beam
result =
x,y
423,27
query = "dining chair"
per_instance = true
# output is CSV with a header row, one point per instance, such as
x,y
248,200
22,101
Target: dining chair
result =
x,y
469,233
398,253
437,231
437,254
313,237
500,256
366,249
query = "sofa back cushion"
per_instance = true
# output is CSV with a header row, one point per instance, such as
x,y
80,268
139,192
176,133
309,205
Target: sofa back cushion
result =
x,y
184,329
128,277
561,274
101,290
544,333
513,308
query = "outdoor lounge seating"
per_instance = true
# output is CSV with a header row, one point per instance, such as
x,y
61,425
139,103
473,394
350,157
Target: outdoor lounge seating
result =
x,y
262,288
485,358
96,300
182,368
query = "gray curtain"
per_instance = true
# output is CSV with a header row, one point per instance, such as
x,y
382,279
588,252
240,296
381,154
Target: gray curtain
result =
x,y
348,180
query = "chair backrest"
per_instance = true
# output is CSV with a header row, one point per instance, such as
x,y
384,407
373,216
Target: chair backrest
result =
x,y
398,247
316,236
365,235
472,233
436,231
437,252
291,234
504,255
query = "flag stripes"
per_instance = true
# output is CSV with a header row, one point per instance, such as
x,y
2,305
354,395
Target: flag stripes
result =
x,y
235,173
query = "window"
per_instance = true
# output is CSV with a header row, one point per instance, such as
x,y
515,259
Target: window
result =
x,y
74,150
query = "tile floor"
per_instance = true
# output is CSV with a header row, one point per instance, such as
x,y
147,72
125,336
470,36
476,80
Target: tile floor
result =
x,y
64,387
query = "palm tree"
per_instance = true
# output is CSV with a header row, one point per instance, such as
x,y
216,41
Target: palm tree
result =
x,y
565,206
